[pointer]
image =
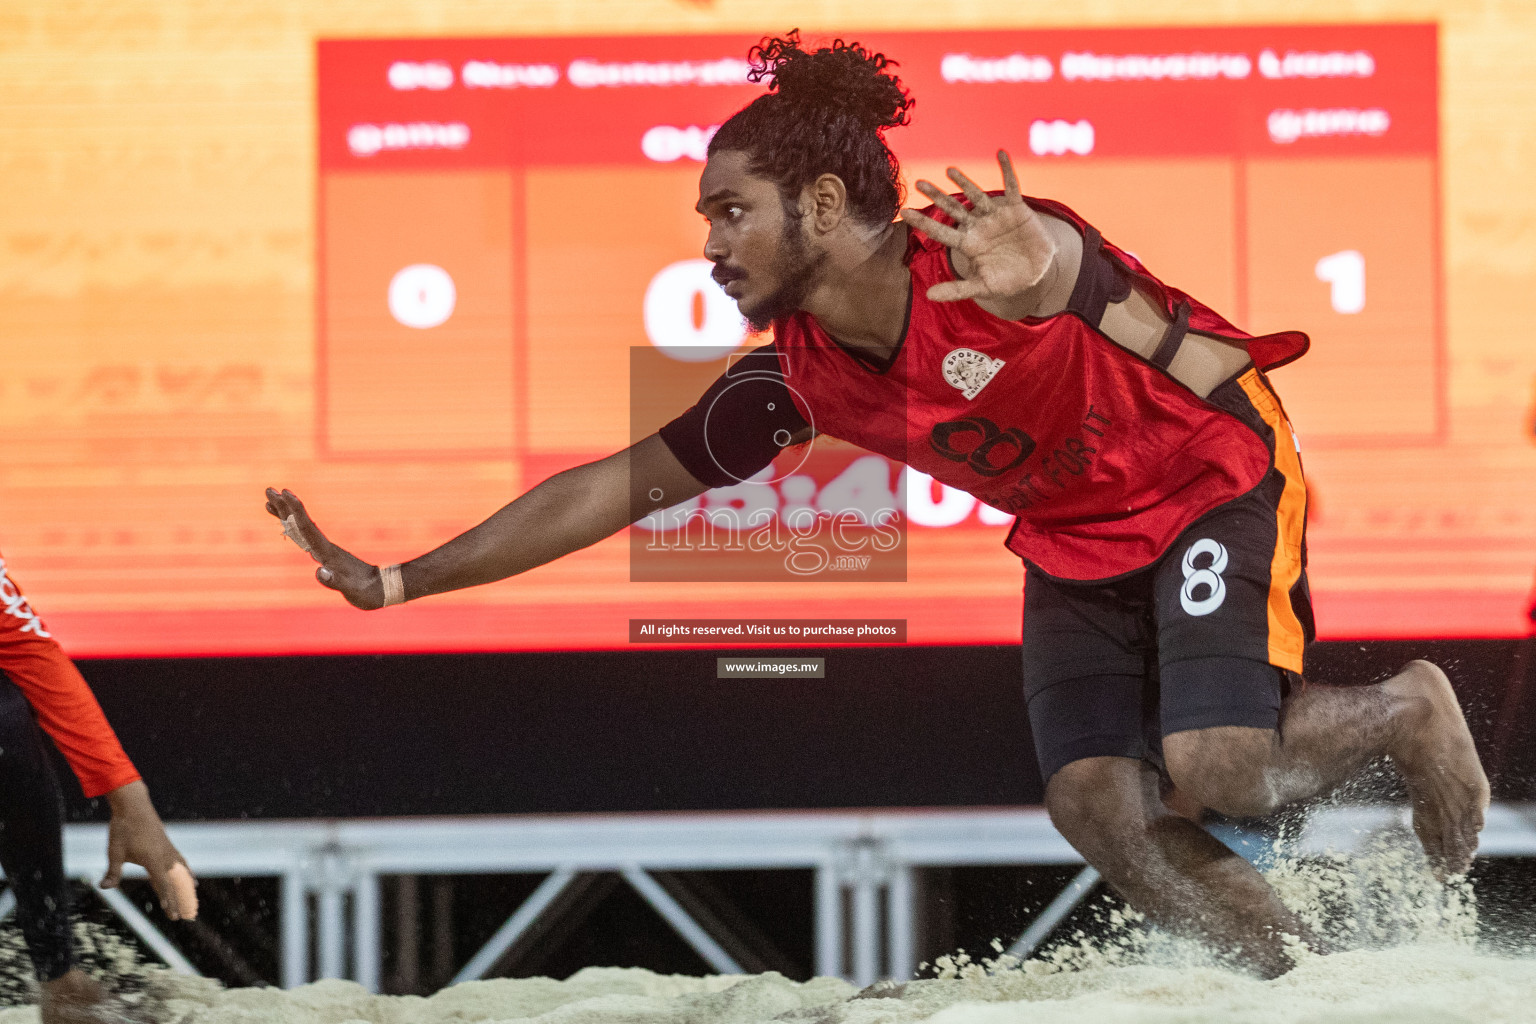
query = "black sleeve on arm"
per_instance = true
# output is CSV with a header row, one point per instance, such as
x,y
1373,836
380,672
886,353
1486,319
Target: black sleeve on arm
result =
x,y
1101,279
743,421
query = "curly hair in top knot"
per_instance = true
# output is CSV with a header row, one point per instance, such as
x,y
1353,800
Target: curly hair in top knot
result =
x,y
825,112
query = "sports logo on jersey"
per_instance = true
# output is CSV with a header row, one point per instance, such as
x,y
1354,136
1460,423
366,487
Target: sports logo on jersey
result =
x,y
968,371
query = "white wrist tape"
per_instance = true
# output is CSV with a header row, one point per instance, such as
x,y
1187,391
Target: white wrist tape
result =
x,y
292,532
394,584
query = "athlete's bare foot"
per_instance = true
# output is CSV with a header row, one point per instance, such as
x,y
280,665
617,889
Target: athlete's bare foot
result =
x,y
78,998
1434,752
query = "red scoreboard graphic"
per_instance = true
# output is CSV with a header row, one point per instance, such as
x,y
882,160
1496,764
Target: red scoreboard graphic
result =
x,y
543,190
505,226
1272,172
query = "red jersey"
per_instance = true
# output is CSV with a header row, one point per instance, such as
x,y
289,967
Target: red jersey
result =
x,y
1103,457
66,708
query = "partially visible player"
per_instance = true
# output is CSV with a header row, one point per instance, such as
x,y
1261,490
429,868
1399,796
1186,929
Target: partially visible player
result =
x,y
41,686
1002,346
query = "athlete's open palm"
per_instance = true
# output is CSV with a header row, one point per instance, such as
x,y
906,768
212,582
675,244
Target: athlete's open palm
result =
x,y
1003,246
341,570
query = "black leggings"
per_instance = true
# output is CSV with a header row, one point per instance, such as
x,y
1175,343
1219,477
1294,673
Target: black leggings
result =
x,y
32,835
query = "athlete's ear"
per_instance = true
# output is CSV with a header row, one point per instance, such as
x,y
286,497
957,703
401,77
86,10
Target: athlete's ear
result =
x,y
828,202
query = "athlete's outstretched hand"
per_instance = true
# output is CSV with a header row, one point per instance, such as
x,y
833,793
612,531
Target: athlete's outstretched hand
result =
x,y
137,836
1004,244
341,570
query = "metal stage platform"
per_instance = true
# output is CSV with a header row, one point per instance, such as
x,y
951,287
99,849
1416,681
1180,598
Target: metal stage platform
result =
x,y
863,863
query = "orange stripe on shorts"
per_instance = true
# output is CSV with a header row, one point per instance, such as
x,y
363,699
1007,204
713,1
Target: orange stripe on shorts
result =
x,y
1287,639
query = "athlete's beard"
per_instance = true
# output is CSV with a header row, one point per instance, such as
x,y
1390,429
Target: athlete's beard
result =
x,y
796,269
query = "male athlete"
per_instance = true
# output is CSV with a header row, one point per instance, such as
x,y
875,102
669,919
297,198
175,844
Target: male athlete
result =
x,y
39,684
1003,347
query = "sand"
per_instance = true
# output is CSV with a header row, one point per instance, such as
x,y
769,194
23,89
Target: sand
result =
x,y
1412,954
1418,983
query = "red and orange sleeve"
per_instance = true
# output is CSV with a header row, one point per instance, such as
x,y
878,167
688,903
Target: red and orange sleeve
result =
x,y
66,708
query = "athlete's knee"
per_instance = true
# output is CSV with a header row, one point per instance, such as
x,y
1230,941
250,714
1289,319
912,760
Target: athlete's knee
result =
x,y
1098,805
1229,769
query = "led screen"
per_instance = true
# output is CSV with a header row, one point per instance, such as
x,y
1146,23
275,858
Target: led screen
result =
x,y
502,226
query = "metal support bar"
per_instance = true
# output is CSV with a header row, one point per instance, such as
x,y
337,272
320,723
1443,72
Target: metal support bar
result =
x,y
521,920
334,878
829,922
123,907
866,871
333,936
295,924
702,942
367,933
901,924
1055,912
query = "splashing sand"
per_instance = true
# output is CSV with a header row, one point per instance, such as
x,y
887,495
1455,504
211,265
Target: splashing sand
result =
x,y
1411,956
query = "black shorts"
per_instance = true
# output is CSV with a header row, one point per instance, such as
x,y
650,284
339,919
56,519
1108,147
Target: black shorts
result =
x,y
32,835
1213,633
